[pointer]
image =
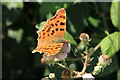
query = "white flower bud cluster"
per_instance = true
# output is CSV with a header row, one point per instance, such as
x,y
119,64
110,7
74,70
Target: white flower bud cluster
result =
x,y
103,61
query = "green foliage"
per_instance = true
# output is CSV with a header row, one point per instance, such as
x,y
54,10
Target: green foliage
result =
x,y
93,21
110,44
40,25
68,36
115,14
47,72
11,5
47,7
19,36
118,74
72,66
14,9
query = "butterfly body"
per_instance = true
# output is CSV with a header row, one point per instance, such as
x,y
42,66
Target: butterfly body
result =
x,y
51,37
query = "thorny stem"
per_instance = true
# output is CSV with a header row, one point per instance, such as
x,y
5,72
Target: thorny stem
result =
x,y
85,65
79,74
65,64
73,59
96,47
61,65
86,61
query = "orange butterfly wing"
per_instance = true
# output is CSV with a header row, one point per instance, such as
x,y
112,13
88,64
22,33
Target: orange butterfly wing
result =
x,y
53,30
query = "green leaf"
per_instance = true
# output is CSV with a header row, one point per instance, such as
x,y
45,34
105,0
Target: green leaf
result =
x,y
15,34
49,15
72,66
11,5
118,75
40,25
52,7
93,21
68,36
47,72
11,12
110,44
115,14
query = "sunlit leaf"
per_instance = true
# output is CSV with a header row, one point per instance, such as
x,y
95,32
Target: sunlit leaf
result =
x,y
93,21
15,34
110,44
115,14
40,25
68,36
11,12
11,5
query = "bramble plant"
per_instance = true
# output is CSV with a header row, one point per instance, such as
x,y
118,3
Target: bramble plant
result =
x,y
90,48
86,57
59,55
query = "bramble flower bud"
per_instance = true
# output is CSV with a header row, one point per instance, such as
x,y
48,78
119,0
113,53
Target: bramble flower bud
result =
x,y
103,61
97,69
51,75
84,38
66,74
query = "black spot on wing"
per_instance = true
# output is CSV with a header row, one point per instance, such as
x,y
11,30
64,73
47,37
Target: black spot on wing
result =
x,y
58,21
56,24
48,35
53,31
61,23
56,29
43,33
52,25
61,29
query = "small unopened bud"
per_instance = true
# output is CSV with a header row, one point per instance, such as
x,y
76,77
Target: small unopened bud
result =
x,y
104,60
97,69
84,38
51,75
66,74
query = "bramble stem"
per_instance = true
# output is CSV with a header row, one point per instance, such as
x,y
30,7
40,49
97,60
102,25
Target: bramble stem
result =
x,y
61,65
85,65
65,64
73,59
96,47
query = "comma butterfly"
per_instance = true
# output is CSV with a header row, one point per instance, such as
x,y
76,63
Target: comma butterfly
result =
x,y
51,37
